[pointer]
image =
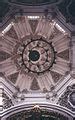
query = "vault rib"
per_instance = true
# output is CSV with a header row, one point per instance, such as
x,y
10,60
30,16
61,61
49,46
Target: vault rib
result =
x,y
9,40
22,28
45,82
44,28
62,47
57,38
6,46
50,79
23,81
5,49
8,67
59,69
40,82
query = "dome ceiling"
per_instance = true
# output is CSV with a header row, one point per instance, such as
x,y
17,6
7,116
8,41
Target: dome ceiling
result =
x,y
34,56
37,55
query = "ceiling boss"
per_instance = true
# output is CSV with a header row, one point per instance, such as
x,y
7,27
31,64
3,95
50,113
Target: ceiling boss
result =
x,y
35,55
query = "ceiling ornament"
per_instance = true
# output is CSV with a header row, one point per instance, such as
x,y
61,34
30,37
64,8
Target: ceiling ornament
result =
x,y
41,53
35,55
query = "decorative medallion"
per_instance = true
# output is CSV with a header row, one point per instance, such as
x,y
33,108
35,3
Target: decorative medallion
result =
x,y
35,55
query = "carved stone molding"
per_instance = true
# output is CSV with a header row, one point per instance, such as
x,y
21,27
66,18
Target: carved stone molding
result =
x,y
68,98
